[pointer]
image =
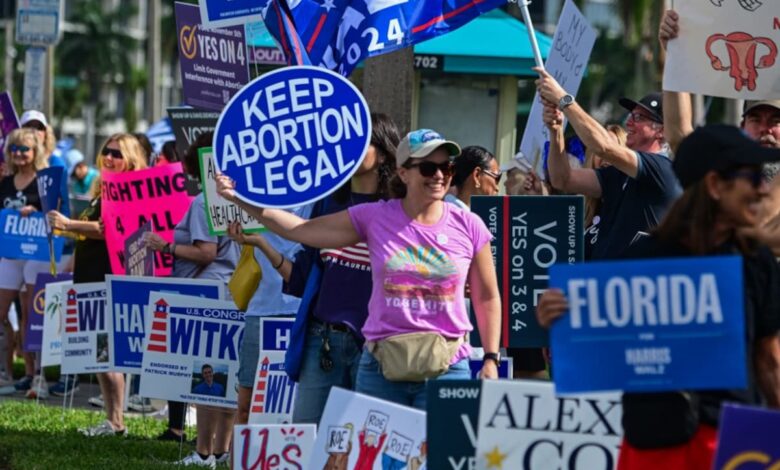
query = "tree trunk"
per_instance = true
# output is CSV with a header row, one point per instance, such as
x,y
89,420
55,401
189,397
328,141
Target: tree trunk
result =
x,y
387,85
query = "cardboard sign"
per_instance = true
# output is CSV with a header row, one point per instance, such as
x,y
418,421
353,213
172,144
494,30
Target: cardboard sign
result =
x,y
189,123
33,337
264,446
53,323
139,258
128,299
219,212
523,424
292,136
567,62
8,120
191,351
531,234
274,392
87,327
747,438
725,48
131,199
229,13
344,435
650,325
213,62
452,418
26,237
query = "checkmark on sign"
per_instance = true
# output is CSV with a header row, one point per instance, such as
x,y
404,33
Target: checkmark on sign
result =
x,y
187,43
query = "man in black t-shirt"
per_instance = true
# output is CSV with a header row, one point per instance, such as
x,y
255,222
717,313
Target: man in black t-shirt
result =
x,y
639,185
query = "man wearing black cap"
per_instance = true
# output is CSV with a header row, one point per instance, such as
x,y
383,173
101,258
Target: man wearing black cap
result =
x,y
639,185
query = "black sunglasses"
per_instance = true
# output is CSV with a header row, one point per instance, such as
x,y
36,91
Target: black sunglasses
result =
x,y
754,176
428,169
495,176
115,154
38,126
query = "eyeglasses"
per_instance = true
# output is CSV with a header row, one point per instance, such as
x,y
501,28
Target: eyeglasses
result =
x,y
428,169
18,148
496,176
755,177
38,126
639,118
115,154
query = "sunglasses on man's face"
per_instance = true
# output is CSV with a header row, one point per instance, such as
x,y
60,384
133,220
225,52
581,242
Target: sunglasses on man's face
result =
x,y
428,169
114,153
38,126
18,148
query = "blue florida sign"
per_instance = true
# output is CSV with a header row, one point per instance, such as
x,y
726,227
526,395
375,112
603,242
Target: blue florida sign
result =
x,y
650,325
292,136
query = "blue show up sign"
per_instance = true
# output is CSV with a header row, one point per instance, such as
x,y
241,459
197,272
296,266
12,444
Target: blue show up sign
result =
x,y
650,325
292,136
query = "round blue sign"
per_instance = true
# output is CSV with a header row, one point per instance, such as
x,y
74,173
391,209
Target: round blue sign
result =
x,y
292,136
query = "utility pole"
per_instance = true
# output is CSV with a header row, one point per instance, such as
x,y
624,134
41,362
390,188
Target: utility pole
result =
x,y
153,59
8,55
388,82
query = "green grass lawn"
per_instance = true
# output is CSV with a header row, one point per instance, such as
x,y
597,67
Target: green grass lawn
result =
x,y
36,437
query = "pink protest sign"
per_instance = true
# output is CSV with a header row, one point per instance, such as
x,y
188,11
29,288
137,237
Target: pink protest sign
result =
x,y
156,195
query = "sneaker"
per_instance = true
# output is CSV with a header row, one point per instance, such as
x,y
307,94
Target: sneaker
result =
x,y
223,459
39,388
169,435
103,429
24,383
96,401
140,404
195,459
64,387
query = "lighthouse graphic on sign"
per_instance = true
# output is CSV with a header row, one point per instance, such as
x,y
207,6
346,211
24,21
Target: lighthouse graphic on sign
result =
x,y
158,338
71,313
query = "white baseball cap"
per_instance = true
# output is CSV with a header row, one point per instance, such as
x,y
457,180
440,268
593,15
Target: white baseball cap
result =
x,y
33,115
518,162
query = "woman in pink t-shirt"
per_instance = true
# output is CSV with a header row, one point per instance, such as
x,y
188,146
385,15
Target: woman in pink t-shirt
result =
x,y
423,253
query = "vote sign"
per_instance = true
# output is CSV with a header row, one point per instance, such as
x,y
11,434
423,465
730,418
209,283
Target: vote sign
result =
x,y
266,446
531,234
747,438
650,325
292,136
451,423
191,350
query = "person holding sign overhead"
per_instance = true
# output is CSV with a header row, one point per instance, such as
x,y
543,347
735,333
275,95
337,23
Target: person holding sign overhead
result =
x,y
639,185
24,156
422,252
677,430
120,153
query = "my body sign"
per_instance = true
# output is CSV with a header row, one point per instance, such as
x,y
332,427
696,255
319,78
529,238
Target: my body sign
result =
x,y
532,233
650,325
128,298
292,136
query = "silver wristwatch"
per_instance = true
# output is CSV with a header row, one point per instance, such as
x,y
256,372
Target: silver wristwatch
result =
x,y
565,102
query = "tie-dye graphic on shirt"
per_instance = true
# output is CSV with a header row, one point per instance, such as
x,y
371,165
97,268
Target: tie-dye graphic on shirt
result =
x,y
422,273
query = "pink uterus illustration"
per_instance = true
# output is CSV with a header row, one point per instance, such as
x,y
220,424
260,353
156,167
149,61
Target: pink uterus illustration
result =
x,y
742,52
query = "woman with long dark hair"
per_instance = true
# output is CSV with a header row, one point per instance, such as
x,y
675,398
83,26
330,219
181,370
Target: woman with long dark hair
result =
x,y
333,339
721,171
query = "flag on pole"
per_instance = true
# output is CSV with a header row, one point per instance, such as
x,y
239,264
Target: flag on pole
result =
x,y
339,34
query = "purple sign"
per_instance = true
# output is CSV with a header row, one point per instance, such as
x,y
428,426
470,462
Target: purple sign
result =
x,y
139,259
214,63
8,120
748,438
33,335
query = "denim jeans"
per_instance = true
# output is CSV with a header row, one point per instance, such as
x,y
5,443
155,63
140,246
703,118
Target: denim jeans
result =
x,y
370,381
315,383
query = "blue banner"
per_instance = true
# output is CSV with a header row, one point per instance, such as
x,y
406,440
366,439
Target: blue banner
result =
x,y
128,299
651,325
292,136
25,237
339,34
747,438
49,184
221,13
